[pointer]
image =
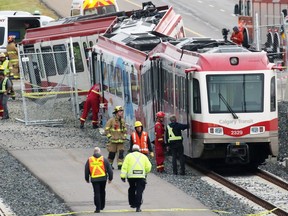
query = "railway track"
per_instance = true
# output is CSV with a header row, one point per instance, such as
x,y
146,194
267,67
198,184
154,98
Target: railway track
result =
x,y
245,193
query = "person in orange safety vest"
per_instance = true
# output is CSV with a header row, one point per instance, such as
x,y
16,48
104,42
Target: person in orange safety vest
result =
x,y
159,141
92,101
98,170
141,138
237,36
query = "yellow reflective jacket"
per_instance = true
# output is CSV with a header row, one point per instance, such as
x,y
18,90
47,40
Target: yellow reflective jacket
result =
x,y
135,165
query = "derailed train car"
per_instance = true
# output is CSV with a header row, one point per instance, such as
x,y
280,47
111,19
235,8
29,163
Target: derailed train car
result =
x,y
226,93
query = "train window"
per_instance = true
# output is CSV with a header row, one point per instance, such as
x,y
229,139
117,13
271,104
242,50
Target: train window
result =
x,y
182,95
78,57
40,63
196,97
61,59
177,91
112,80
118,78
48,60
86,51
239,93
273,95
134,87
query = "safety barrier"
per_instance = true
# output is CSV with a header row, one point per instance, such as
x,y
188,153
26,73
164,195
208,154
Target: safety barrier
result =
x,y
48,87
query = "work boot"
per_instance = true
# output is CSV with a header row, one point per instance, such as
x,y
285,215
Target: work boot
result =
x,y
81,126
95,126
138,209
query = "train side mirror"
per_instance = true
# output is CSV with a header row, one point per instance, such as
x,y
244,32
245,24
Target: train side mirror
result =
x,y
236,9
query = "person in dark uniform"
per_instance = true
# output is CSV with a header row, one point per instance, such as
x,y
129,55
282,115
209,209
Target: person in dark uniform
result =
x,y
5,89
174,140
98,169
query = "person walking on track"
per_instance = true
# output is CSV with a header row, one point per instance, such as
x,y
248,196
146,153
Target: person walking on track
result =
x,y
92,101
116,132
135,168
141,138
98,169
174,140
159,141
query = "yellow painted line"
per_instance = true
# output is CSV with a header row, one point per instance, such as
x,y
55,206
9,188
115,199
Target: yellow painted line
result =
x,y
193,32
143,210
131,2
158,210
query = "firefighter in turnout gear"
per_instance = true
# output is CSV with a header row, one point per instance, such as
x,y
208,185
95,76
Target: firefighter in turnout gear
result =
x,y
174,140
92,101
98,169
5,88
116,132
141,138
135,168
159,141
12,52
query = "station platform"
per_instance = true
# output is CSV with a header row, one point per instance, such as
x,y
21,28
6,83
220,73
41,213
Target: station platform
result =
x,y
63,171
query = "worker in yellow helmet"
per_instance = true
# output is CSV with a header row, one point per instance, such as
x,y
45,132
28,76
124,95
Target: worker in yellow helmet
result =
x,y
141,138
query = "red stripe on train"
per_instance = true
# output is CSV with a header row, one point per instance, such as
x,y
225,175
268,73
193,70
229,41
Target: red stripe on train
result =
x,y
202,127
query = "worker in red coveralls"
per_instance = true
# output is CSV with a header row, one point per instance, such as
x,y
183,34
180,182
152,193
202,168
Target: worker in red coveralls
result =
x,y
159,141
237,36
92,101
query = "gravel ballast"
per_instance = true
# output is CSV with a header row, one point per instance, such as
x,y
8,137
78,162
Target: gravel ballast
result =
x,y
26,195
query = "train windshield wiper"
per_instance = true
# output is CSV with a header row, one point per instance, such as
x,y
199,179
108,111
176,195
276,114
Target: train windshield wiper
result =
x,y
228,106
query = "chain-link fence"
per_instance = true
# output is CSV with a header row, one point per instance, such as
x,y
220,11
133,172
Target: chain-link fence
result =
x,y
48,86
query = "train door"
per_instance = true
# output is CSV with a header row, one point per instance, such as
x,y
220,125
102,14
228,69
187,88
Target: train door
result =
x,y
157,85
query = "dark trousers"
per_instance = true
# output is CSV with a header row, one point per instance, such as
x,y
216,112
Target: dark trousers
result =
x,y
135,191
99,194
3,102
177,150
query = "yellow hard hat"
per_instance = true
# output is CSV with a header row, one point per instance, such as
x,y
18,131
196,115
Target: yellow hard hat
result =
x,y
2,67
118,108
138,124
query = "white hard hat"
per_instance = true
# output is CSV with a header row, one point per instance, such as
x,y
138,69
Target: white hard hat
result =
x,y
135,147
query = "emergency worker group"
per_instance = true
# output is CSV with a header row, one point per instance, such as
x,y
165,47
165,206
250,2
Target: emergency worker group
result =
x,y
9,70
135,166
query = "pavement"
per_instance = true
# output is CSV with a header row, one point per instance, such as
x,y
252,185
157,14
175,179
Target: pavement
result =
x,y
62,170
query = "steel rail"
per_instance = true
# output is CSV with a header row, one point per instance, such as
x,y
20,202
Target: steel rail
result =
x,y
264,204
267,176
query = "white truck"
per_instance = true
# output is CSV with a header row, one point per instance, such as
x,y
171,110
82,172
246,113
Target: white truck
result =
x,y
16,22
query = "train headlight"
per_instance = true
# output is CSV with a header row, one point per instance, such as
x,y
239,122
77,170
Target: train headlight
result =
x,y
257,130
234,61
215,130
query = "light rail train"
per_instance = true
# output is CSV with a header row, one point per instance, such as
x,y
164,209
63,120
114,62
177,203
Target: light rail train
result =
x,y
226,93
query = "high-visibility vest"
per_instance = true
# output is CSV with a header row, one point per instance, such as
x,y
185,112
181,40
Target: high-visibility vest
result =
x,y
141,142
171,135
97,167
5,65
3,88
134,166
